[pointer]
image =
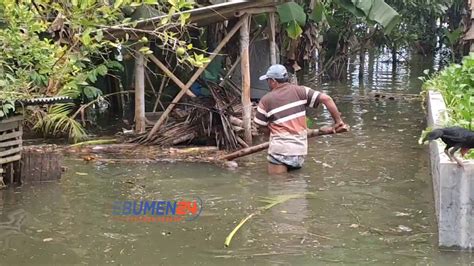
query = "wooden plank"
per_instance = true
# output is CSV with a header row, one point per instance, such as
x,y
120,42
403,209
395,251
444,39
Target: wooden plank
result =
x,y
11,135
17,118
10,143
170,74
10,159
255,10
245,70
4,126
10,151
195,76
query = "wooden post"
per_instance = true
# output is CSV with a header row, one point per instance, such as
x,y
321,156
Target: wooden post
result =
x,y
194,78
245,70
140,93
273,56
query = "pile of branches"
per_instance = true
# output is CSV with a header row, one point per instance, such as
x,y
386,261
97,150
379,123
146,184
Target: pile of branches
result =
x,y
215,120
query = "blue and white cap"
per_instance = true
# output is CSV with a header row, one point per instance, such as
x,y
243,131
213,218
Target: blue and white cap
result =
x,y
275,72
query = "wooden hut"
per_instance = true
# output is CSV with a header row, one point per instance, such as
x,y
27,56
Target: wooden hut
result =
x,y
240,12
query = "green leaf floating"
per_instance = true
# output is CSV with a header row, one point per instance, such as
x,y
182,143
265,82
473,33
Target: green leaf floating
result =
x,y
271,202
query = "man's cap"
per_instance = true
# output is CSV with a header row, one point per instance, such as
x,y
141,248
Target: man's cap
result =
x,y
275,72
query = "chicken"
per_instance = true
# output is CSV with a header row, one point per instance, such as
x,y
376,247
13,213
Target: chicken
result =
x,y
457,138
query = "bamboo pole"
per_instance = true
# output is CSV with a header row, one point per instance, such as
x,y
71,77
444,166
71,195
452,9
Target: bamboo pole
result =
x,y
260,147
178,97
245,70
140,93
273,56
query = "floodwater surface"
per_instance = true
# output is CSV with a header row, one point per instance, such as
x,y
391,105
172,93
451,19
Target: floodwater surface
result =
x,y
368,199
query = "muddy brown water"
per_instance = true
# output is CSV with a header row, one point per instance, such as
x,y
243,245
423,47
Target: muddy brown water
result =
x,y
372,202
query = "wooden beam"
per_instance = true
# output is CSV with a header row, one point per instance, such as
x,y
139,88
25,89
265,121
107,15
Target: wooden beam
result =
x,y
255,10
273,56
229,73
170,74
10,152
178,97
11,135
10,143
245,70
140,122
10,159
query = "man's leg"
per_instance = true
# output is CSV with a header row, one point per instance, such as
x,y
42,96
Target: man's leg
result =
x,y
274,169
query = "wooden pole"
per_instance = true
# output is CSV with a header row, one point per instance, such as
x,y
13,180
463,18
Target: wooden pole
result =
x,y
170,75
273,56
245,70
140,93
194,77
260,147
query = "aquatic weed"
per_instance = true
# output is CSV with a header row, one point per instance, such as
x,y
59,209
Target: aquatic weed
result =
x,y
456,84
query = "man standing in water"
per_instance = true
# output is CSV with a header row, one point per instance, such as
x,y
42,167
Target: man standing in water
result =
x,y
283,111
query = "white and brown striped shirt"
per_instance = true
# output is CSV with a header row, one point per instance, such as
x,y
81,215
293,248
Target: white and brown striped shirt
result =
x,y
283,110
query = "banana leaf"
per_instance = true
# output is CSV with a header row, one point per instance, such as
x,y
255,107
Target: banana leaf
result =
x,y
373,10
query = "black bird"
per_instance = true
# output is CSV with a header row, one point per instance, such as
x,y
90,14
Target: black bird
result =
x,y
457,138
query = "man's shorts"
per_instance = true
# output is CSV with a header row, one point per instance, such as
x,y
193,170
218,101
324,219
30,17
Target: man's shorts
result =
x,y
292,162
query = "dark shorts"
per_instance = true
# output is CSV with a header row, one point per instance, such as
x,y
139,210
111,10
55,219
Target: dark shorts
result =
x,y
292,162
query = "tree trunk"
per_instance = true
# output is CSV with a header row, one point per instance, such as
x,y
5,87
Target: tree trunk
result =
x,y
140,93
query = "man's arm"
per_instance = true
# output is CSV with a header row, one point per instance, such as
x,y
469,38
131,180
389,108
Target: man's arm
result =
x,y
332,108
261,118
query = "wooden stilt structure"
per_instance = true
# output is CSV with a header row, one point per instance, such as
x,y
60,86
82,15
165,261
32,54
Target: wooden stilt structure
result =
x,y
178,97
239,11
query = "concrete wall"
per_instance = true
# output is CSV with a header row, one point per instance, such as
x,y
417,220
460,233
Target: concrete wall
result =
x,y
453,186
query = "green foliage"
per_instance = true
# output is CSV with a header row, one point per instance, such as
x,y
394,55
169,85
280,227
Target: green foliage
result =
x,y
50,48
456,83
293,17
374,11
418,27
318,13
25,59
58,122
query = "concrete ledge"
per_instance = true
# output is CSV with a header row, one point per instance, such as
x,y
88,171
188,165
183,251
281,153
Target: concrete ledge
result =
x,y
453,186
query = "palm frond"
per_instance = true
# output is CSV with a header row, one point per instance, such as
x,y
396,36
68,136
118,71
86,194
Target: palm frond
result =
x,y
58,122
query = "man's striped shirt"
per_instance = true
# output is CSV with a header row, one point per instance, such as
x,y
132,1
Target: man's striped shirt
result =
x,y
283,110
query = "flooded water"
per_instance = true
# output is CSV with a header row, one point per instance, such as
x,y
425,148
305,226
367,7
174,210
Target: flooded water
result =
x,y
372,201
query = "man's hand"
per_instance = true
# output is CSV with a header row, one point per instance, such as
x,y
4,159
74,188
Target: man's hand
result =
x,y
340,126
336,128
